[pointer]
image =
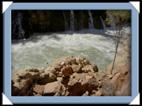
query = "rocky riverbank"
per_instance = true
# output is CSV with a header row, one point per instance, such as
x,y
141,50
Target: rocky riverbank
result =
x,y
70,76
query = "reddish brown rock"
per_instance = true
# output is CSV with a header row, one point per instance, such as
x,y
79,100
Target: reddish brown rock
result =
x,y
67,71
79,83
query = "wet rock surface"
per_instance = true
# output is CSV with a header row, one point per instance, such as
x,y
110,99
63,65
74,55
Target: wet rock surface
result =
x,y
70,76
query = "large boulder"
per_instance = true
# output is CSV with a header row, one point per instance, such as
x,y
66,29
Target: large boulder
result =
x,y
79,83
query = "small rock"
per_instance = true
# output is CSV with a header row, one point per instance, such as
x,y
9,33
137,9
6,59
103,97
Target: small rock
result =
x,y
32,70
15,91
50,69
98,93
52,88
67,71
88,68
107,88
76,68
86,93
95,68
74,78
65,80
26,90
59,79
38,89
46,78
75,90
62,63
79,60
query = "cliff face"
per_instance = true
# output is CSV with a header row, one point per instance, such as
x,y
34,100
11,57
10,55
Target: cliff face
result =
x,y
70,76
27,22
41,21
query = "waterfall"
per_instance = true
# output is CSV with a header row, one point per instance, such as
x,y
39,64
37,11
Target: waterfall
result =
x,y
19,24
65,21
72,20
91,23
103,23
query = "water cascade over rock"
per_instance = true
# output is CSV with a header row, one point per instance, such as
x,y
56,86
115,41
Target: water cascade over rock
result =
x,y
72,20
103,23
26,23
90,22
18,28
19,22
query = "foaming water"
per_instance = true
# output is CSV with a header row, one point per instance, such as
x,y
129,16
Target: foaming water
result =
x,y
45,49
